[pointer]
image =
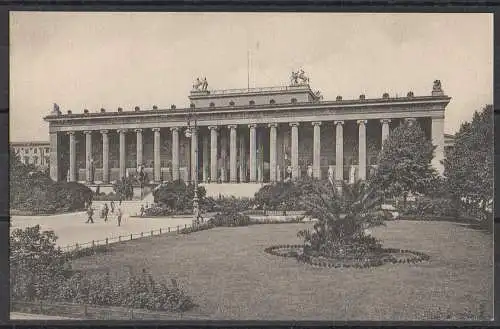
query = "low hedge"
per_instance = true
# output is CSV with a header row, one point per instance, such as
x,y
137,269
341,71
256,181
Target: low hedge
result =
x,y
415,257
55,197
137,291
425,206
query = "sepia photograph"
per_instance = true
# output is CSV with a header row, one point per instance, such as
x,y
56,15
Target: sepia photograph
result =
x,y
251,166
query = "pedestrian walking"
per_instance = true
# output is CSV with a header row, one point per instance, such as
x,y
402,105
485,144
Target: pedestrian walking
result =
x,y
119,216
112,207
105,212
142,210
90,213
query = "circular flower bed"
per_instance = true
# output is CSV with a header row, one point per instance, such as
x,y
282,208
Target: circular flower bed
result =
x,y
375,258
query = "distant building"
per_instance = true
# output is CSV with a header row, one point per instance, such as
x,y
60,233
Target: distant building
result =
x,y
35,153
449,142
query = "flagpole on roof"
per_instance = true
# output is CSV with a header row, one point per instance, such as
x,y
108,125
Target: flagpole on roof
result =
x,y
248,69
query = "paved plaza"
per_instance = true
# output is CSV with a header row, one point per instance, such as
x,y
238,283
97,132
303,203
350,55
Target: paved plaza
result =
x,y
71,228
26,316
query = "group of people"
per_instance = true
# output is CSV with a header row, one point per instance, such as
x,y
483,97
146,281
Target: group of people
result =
x,y
143,209
105,212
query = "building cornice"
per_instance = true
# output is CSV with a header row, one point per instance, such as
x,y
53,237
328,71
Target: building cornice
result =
x,y
28,144
379,103
265,91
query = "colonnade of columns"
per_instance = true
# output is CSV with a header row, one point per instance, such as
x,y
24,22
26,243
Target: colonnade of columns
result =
x,y
211,154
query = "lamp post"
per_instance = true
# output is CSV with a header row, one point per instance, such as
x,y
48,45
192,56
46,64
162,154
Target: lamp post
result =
x,y
192,125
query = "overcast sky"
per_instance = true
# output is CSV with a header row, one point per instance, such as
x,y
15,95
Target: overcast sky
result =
x,y
94,60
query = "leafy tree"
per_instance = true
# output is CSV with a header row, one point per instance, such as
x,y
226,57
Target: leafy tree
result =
x,y
124,188
404,164
279,196
342,218
469,166
20,182
177,195
35,191
37,266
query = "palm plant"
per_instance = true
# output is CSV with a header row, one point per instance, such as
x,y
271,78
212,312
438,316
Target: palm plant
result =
x,y
341,218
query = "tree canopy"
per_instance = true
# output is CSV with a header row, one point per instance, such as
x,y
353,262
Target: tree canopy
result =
x,y
469,165
404,164
34,191
177,195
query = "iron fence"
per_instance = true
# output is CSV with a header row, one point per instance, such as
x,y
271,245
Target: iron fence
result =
x,y
97,312
121,238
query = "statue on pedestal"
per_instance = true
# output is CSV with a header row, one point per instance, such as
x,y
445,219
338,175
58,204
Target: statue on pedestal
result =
x,y
352,175
331,173
309,171
299,75
302,76
197,84
56,110
200,85
204,84
294,79
437,86
92,170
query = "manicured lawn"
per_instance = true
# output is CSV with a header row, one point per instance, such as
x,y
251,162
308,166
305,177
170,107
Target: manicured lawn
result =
x,y
231,277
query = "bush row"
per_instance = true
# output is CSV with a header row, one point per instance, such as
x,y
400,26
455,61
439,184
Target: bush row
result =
x,y
136,291
425,206
52,197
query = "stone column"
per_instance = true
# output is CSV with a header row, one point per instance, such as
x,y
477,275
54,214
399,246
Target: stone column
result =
x,y
242,167
223,156
88,154
438,141
317,150
295,149
272,151
105,157
253,152
205,158
139,148
156,155
123,163
339,151
54,157
194,154
213,154
385,129
362,149
175,153
72,157
232,154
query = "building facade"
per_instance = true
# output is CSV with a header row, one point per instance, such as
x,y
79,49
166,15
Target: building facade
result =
x,y
34,153
241,135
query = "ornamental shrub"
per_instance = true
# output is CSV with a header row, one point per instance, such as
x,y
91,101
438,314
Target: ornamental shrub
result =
x,y
342,218
135,291
36,266
280,196
230,218
233,204
433,206
39,271
178,196
34,191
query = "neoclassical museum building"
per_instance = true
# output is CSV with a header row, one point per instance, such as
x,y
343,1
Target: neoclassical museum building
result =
x,y
253,135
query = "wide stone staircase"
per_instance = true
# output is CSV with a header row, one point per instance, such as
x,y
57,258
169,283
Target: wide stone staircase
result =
x,y
240,190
